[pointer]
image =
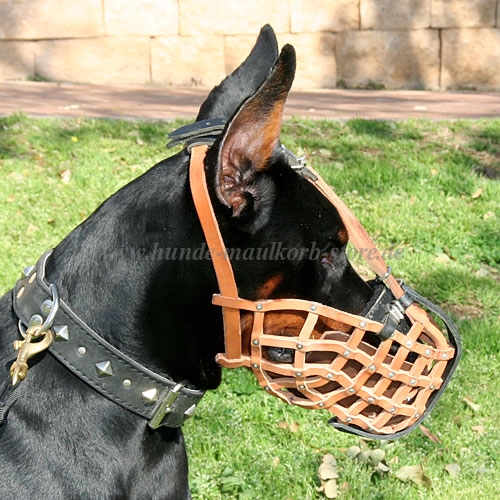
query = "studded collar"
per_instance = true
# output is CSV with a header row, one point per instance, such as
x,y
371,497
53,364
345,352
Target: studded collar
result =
x,y
160,400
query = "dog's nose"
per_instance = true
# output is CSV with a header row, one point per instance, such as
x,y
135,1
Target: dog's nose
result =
x,y
279,354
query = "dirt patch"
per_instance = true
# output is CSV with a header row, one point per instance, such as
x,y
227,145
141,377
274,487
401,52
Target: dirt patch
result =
x,y
465,311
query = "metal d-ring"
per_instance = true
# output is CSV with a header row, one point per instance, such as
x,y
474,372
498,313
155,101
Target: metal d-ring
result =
x,y
51,316
384,276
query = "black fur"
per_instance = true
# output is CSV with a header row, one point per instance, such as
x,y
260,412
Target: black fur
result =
x,y
62,440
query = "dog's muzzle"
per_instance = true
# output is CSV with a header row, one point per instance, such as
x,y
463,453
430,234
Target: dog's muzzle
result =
x,y
379,373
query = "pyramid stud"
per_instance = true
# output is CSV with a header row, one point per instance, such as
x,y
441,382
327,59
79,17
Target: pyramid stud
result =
x,y
27,271
150,396
190,411
61,332
104,369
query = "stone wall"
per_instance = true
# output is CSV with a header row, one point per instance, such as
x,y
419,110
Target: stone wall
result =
x,y
415,44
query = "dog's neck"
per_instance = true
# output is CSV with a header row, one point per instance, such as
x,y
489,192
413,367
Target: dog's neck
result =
x,y
115,271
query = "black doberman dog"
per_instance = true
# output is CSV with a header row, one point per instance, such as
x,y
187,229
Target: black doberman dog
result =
x,y
62,439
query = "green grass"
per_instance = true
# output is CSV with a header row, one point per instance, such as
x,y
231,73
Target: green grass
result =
x,y
418,186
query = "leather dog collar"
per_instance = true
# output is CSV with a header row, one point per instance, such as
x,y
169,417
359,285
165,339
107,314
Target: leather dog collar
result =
x,y
160,400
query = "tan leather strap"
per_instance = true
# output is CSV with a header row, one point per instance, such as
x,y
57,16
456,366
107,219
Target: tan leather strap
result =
x,y
220,259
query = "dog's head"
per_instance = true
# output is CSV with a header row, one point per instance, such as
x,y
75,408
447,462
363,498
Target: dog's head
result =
x,y
286,239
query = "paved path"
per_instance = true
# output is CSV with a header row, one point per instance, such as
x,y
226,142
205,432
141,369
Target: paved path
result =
x,y
164,103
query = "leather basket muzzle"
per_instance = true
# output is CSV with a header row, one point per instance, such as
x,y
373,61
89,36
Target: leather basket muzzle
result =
x,y
336,361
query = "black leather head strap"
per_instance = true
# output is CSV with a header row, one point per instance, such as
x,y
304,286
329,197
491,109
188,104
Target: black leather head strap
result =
x,y
197,133
160,400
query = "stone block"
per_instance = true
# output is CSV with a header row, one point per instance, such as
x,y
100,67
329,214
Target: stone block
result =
x,y
314,16
463,13
471,59
17,60
187,60
315,57
395,15
142,17
26,19
227,17
394,59
96,60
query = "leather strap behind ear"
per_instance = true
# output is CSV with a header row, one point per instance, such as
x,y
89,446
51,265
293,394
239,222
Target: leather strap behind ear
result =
x,y
219,255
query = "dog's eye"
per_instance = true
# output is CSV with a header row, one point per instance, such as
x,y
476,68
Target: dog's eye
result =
x,y
279,354
328,246
329,249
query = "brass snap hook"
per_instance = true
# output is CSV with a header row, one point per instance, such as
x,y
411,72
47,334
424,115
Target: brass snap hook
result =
x,y
37,338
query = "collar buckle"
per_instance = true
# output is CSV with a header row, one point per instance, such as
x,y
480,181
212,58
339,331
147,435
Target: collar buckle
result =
x,y
166,407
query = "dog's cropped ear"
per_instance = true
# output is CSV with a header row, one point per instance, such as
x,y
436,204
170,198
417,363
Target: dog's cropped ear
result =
x,y
252,136
226,98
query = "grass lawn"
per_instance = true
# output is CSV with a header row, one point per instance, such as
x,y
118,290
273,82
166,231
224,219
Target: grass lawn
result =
x,y
427,189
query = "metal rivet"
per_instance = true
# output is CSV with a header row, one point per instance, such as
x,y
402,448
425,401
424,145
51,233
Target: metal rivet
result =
x,y
393,410
255,366
36,319
313,308
299,346
81,351
127,383
391,375
346,353
298,374
61,332
409,343
302,386
427,352
372,368
444,356
47,306
348,420
392,335
321,405
413,381
351,390
362,324
417,415
255,342
329,376
20,292
259,307
104,369
432,387
267,388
